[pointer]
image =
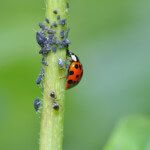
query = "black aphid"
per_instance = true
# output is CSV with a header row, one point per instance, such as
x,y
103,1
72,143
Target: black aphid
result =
x,y
64,42
50,36
37,104
44,55
67,42
62,22
44,62
48,48
47,20
66,63
44,51
39,79
43,27
54,40
54,48
60,42
58,17
68,29
42,71
60,62
41,51
62,33
55,11
60,46
41,39
50,41
67,5
44,48
54,24
51,26
51,31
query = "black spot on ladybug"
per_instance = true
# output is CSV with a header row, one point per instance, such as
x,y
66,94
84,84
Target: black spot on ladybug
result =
x,y
77,76
80,67
71,72
76,66
70,81
74,82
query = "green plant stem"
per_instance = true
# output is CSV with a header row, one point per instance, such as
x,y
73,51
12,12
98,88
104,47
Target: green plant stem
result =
x,y
51,134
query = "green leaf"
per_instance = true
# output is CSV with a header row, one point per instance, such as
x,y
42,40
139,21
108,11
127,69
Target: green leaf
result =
x,y
132,133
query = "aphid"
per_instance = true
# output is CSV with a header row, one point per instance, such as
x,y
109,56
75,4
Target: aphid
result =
x,y
44,62
66,63
44,55
41,51
54,24
68,29
64,42
51,31
37,104
67,5
47,49
41,39
60,42
55,11
44,51
43,27
60,46
58,17
39,79
50,41
51,25
47,20
55,105
62,33
42,71
75,71
54,40
67,42
60,62
62,22
54,48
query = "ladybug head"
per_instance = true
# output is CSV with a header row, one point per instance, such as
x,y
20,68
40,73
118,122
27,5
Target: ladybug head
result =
x,y
74,58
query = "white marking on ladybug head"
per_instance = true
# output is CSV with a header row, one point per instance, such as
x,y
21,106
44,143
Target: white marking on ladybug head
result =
x,y
73,57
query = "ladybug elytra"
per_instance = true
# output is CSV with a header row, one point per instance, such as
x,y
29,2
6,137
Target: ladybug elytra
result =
x,y
75,71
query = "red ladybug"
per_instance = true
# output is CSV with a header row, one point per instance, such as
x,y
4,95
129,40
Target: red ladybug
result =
x,y
75,71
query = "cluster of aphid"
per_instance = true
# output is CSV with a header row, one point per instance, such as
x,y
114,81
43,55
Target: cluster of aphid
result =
x,y
48,42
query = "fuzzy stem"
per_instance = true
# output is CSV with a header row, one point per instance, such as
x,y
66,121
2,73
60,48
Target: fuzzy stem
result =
x,y
51,134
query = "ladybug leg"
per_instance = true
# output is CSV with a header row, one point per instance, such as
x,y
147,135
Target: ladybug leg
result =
x,y
69,59
62,68
62,77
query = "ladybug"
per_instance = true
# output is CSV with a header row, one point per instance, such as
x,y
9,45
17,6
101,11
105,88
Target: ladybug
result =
x,y
75,71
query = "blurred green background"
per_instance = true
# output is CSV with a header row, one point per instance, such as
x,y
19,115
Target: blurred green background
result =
x,y
111,39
